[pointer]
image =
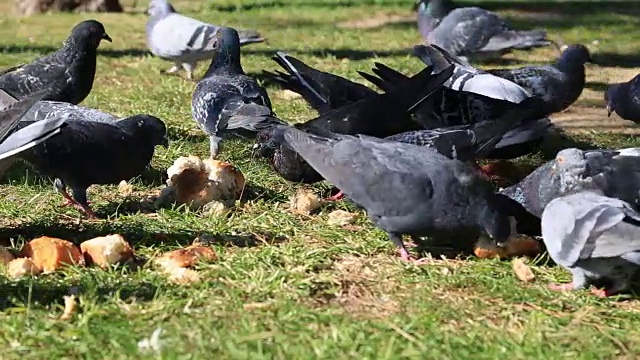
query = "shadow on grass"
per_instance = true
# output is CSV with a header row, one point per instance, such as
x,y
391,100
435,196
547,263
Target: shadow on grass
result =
x,y
597,86
52,292
46,49
617,60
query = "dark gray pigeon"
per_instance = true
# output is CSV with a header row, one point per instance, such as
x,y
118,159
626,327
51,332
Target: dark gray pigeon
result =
x,y
614,172
473,31
406,189
597,238
624,99
92,150
559,84
183,40
68,72
226,99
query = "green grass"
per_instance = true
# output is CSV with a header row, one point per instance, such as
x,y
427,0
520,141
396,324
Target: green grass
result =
x,y
306,289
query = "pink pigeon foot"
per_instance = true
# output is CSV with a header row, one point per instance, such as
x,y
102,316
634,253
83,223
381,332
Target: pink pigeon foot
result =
x,y
600,292
561,287
82,208
336,197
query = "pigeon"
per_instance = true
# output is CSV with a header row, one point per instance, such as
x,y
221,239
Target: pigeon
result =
x,y
469,79
596,238
92,150
68,72
624,99
614,172
183,40
227,100
49,110
559,84
430,13
474,31
379,116
322,90
406,189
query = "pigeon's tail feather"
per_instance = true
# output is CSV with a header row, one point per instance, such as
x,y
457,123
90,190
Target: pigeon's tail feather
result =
x,y
419,87
387,78
528,131
517,40
298,79
10,116
439,58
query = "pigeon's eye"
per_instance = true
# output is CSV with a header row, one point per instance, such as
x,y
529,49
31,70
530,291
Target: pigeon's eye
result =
x,y
560,159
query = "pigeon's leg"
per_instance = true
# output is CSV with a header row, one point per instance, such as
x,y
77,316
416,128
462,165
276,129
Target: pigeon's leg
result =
x,y
174,69
80,196
335,197
214,146
189,68
396,239
579,281
61,188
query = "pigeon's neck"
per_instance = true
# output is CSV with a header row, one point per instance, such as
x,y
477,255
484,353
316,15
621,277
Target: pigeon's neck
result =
x,y
75,49
225,62
495,222
570,65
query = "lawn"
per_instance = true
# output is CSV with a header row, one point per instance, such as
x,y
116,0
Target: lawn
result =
x,y
301,288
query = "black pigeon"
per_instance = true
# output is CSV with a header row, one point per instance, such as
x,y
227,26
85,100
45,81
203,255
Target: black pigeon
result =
x,y
226,99
322,90
68,72
624,99
92,151
380,116
614,172
559,84
406,189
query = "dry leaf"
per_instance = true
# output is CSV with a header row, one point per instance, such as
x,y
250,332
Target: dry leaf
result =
x,y
124,188
69,307
304,202
522,270
341,218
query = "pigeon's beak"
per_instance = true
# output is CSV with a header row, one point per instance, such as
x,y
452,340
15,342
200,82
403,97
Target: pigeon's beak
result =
x,y
106,36
254,150
609,110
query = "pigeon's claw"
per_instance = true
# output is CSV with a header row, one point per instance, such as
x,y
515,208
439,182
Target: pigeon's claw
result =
x,y
69,201
336,197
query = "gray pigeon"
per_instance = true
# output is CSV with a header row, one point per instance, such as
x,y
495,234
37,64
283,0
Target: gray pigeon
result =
x,y
469,79
559,84
597,238
474,31
228,100
406,189
93,148
624,99
183,40
68,73
615,172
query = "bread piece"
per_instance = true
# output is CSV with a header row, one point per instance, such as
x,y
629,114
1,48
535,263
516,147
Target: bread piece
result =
x,y
5,256
186,257
107,250
21,267
49,254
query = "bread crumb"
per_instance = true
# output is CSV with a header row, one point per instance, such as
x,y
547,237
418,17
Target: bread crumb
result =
x,y
50,254
5,256
69,307
105,251
22,267
304,202
124,188
522,270
341,218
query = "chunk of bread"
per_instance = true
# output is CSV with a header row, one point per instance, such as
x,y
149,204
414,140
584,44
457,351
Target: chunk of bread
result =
x,y
21,267
186,257
49,254
107,250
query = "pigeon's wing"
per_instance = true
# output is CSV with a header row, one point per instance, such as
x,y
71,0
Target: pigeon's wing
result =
x,y
371,172
573,225
387,78
466,30
634,90
47,110
469,79
40,74
31,135
11,115
177,35
511,39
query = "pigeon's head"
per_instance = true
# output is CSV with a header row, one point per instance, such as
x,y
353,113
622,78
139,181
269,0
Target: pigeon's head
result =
x,y
159,8
150,129
227,48
268,141
495,220
576,54
90,32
